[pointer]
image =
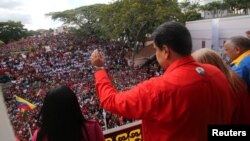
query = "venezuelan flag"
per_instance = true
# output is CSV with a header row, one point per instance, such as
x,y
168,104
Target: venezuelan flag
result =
x,y
24,104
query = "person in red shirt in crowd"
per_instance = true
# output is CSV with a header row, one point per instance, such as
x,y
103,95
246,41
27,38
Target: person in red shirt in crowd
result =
x,y
209,56
61,119
178,105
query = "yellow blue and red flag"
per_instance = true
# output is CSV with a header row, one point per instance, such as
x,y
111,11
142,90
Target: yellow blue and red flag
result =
x,y
24,104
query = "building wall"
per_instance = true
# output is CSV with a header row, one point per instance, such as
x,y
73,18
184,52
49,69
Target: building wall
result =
x,y
214,32
201,31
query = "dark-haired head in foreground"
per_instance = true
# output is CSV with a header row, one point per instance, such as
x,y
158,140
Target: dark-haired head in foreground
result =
x,y
61,118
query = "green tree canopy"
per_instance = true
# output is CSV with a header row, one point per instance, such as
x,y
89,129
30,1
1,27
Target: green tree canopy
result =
x,y
86,19
233,7
1,42
236,5
189,10
126,20
12,31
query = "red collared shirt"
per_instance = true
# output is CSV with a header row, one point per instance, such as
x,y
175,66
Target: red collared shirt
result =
x,y
177,106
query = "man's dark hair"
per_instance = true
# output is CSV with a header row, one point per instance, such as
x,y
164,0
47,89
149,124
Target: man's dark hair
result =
x,y
241,42
175,35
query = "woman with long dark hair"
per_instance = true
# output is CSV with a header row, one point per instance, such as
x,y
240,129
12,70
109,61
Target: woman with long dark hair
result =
x,y
61,119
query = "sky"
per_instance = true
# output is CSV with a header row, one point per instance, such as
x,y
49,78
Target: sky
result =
x,y
31,13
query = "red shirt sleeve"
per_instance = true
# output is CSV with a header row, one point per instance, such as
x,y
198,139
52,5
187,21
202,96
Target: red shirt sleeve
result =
x,y
139,102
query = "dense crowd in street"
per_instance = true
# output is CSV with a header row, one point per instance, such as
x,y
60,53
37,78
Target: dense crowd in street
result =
x,y
37,64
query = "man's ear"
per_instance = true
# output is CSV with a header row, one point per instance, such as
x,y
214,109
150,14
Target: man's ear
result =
x,y
166,51
238,50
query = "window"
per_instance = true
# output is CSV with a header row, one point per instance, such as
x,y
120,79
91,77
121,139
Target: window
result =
x,y
203,44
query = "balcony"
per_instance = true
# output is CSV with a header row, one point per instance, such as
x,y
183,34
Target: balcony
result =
x,y
128,132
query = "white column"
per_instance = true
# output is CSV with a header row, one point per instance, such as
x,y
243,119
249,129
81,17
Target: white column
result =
x,y
6,130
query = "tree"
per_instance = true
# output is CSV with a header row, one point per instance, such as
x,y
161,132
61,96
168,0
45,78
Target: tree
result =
x,y
1,42
244,5
131,21
32,32
12,31
128,21
214,7
122,19
86,20
236,6
189,10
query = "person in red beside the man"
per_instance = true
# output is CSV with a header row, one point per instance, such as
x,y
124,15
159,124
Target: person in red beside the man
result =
x,y
178,105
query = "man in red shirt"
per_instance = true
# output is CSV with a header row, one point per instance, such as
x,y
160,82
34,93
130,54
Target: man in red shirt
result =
x,y
178,105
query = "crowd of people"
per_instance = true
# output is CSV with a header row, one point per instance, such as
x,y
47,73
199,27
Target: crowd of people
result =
x,y
176,97
37,64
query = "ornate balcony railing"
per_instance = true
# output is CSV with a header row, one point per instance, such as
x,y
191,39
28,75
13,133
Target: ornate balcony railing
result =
x,y
128,132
